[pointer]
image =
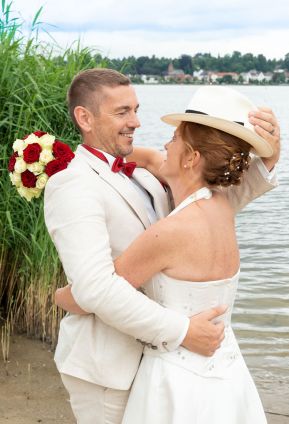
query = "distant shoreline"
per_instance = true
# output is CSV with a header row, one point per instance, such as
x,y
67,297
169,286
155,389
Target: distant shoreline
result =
x,y
198,83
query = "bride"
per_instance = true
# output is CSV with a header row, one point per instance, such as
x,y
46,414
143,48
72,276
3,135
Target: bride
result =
x,y
191,260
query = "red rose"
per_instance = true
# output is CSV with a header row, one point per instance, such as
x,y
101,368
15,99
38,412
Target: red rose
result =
x,y
28,179
12,161
32,152
55,166
37,133
62,150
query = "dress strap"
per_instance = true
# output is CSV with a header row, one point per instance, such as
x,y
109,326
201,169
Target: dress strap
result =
x,y
202,193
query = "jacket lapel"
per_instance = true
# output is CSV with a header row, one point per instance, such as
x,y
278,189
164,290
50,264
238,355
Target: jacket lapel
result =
x,y
118,183
160,196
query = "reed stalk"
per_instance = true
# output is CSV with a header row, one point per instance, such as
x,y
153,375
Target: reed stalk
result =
x,y
33,85
5,340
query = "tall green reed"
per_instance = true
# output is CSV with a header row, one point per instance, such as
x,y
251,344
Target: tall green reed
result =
x,y
33,86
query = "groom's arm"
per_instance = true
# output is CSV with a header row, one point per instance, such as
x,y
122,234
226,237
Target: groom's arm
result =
x,y
75,218
256,181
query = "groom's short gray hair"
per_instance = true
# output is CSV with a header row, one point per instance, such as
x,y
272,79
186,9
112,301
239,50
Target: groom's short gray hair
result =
x,y
86,88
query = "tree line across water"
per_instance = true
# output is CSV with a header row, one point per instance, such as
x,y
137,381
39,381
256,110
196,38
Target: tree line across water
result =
x,y
235,62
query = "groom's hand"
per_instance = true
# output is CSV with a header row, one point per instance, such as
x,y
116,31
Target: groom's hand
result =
x,y
205,336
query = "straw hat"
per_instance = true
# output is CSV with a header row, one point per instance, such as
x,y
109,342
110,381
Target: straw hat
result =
x,y
224,109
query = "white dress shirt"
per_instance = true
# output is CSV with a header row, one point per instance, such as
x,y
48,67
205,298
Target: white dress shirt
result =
x,y
268,175
139,189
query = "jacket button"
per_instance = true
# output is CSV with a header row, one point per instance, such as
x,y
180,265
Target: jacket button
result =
x,y
165,345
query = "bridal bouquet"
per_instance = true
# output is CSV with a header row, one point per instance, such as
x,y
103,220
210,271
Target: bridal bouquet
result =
x,y
36,157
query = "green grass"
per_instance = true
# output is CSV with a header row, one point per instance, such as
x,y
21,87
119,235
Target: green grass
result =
x,y
33,86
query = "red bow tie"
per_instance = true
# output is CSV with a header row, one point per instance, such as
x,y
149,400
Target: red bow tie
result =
x,y
126,167
118,165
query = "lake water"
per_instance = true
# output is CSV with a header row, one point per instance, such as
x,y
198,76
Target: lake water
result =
x,y
261,312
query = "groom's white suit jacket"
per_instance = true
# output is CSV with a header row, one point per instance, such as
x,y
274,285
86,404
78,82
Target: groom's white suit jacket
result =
x,y
92,215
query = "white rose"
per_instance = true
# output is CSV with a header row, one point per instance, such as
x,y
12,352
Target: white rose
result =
x,y
20,165
15,178
46,141
36,192
25,192
28,193
46,156
41,181
32,138
35,167
19,146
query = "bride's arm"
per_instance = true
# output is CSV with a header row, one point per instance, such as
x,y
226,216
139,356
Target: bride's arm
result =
x,y
150,159
149,254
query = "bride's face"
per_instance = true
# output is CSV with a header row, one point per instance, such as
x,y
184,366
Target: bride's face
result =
x,y
176,155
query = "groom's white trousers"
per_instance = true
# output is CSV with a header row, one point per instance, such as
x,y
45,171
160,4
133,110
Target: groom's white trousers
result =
x,y
93,404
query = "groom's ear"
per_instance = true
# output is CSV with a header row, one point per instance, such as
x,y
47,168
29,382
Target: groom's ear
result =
x,y
83,118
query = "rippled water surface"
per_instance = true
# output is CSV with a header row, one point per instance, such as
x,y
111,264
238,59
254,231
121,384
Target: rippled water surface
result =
x,y
261,313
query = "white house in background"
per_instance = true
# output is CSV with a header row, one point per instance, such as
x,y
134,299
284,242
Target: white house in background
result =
x,y
256,76
268,76
251,76
215,76
201,76
149,79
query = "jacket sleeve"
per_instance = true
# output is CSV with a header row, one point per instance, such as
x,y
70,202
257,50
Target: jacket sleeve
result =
x,y
254,184
76,222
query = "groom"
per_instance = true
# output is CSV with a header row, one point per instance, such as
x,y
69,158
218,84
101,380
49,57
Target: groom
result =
x,y
93,213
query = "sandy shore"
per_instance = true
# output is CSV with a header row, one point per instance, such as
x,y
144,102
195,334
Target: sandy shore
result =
x,y
31,390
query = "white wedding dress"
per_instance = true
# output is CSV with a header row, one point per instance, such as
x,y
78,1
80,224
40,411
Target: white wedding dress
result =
x,y
182,387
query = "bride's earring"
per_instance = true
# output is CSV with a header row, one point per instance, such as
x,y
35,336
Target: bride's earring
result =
x,y
185,166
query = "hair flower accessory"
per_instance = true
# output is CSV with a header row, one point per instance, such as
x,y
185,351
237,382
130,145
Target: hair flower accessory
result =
x,y
35,158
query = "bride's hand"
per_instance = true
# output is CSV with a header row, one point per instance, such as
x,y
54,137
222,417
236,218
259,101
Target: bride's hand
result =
x,y
204,336
267,127
64,299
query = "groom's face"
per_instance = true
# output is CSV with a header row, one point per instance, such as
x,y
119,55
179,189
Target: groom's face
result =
x,y
113,126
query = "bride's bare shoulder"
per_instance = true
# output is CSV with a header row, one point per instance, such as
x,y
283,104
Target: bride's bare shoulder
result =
x,y
168,230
